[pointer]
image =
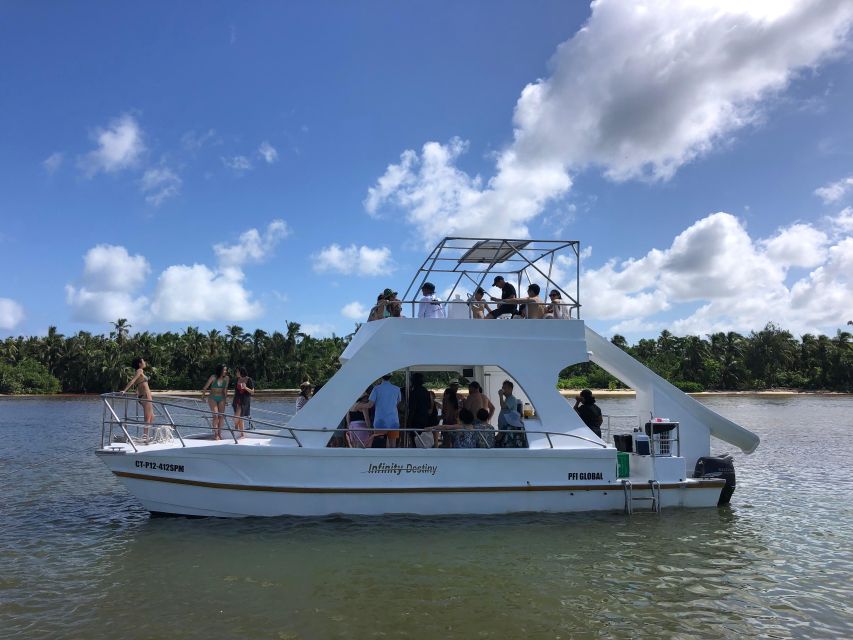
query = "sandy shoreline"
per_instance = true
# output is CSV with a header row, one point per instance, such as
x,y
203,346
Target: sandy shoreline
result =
x,y
568,393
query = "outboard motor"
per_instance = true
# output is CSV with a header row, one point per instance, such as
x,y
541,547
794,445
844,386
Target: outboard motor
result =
x,y
718,467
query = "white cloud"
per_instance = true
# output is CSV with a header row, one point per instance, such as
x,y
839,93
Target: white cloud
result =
x,y
159,184
739,283
441,200
642,89
844,220
252,246
800,245
188,293
268,152
355,311
105,306
193,141
11,314
835,190
238,164
111,268
111,276
318,330
52,163
120,146
363,261
197,293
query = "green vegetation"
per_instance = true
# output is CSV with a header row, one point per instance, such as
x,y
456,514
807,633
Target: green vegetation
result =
x,y
27,376
770,358
96,363
766,359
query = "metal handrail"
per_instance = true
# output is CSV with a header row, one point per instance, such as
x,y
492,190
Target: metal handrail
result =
x,y
291,431
414,302
204,413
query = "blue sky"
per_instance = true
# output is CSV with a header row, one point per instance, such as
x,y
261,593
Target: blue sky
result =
x,y
221,163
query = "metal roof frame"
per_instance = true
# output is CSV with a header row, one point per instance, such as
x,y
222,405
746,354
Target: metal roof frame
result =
x,y
475,259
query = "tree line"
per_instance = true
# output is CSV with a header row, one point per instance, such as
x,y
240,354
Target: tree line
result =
x,y
87,363
767,359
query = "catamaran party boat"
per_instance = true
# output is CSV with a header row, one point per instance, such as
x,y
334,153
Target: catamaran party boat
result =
x,y
286,467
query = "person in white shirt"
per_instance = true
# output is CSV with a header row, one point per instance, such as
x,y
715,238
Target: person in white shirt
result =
x,y
557,310
429,306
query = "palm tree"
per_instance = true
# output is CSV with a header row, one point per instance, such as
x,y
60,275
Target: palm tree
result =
x,y
54,344
260,343
692,365
236,339
122,329
214,341
771,351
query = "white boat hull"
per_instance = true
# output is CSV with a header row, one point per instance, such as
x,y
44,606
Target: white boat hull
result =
x,y
238,481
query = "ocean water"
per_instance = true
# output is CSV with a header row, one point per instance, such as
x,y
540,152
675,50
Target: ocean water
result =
x,y
80,559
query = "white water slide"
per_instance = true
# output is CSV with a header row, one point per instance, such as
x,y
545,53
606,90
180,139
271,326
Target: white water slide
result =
x,y
656,396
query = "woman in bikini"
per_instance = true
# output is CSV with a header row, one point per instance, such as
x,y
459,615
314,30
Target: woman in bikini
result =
x,y
143,393
218,385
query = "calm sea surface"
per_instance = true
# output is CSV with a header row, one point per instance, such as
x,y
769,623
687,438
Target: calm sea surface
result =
x,y
80,559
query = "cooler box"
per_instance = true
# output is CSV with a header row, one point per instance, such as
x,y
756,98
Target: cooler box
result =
x,y
623,442
642,445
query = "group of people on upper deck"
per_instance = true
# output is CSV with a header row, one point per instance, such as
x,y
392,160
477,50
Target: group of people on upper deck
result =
x,y
510,305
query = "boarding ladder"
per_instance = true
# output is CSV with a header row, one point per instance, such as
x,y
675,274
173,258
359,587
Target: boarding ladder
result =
x,y
653,500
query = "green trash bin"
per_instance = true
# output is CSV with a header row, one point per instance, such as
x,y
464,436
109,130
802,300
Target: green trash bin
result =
x,y
623,465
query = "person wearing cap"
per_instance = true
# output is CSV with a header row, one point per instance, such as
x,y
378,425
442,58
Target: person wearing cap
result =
x,y
556,309
507,293
393,306
479,308
306,390
429,306
589,412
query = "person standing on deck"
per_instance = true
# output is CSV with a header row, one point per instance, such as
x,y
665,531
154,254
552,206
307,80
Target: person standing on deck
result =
x,y
477,400
386,399
428,305
509,403
589,412
507,292
143,393
306,390
218,386
244,389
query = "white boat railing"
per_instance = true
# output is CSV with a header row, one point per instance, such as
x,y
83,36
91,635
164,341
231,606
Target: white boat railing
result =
x,y
190,419
621,423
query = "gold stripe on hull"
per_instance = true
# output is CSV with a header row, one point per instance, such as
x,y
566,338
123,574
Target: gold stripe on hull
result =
x,y
701,484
